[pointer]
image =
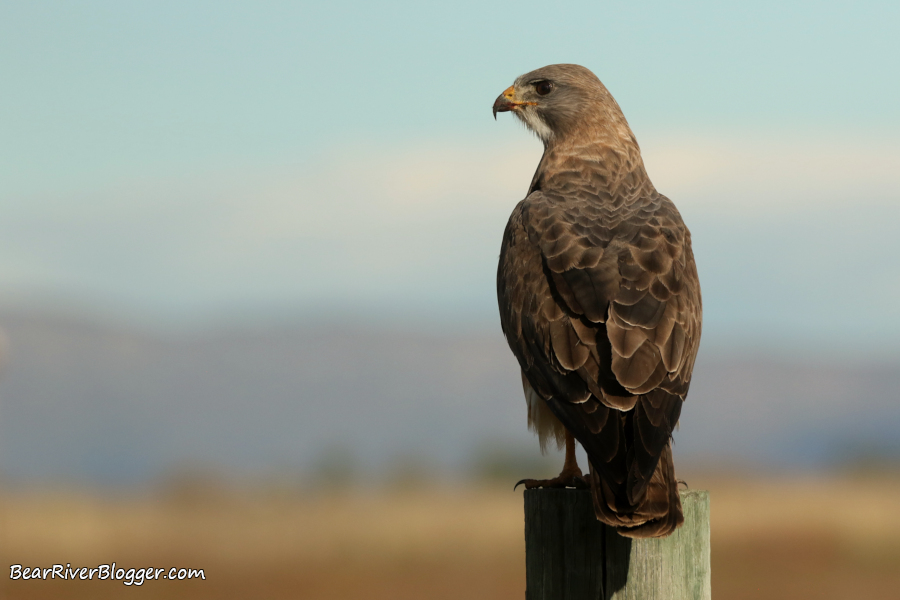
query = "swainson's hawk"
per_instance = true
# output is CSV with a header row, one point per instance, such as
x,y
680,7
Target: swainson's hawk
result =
x,y
599,300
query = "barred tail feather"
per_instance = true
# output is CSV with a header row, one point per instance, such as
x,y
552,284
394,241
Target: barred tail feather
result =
x,y
657,514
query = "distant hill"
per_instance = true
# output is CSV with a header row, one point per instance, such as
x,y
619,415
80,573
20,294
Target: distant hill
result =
x,y
85,402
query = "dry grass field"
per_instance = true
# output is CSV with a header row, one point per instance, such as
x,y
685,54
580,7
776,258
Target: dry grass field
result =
x,y
778,537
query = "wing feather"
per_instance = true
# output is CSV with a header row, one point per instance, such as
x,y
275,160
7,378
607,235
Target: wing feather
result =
x,y
601,306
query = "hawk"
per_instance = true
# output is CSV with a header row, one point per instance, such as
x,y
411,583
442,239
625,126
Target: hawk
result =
x,y
599,301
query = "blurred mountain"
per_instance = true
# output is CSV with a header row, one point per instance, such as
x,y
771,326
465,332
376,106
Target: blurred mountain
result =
x,y
91,403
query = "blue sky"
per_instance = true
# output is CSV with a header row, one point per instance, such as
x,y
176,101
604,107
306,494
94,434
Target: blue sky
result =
x,y
179,162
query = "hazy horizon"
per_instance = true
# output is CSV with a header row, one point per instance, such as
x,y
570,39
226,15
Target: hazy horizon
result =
x,y
90,403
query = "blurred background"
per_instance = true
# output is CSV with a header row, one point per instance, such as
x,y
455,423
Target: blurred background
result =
x,y
247,259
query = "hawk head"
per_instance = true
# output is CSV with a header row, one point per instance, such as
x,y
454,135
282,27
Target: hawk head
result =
x,y
562,101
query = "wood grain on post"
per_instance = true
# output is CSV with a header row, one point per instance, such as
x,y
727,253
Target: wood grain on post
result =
x,y
569,555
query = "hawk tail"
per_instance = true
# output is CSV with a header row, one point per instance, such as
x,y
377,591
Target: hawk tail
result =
x,y
658,514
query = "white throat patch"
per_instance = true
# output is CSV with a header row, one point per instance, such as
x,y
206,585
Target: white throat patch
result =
x,y
534,122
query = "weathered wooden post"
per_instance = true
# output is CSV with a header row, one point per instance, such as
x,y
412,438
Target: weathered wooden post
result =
x,y
569,555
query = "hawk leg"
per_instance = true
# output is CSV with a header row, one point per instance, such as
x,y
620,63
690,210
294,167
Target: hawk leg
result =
x,y
570,476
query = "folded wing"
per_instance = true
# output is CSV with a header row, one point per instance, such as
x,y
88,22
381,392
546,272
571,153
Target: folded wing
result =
x,y
600,302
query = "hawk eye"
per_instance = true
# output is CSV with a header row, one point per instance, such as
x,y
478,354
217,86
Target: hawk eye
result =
x,y
543,87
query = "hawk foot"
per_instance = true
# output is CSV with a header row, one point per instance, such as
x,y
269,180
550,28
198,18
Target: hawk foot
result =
x,y
563,480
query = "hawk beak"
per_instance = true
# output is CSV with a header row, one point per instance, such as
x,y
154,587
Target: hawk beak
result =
x,y
505,101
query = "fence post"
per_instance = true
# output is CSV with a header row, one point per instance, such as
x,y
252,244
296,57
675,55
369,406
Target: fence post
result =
x,y
569,555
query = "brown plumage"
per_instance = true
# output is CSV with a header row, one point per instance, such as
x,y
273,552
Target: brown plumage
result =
x,y
599,297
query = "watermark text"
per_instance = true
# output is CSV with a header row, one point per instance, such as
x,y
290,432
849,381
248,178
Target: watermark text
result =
x,y
130,576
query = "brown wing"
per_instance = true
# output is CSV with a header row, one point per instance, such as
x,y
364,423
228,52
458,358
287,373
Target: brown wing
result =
x,y
600,303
